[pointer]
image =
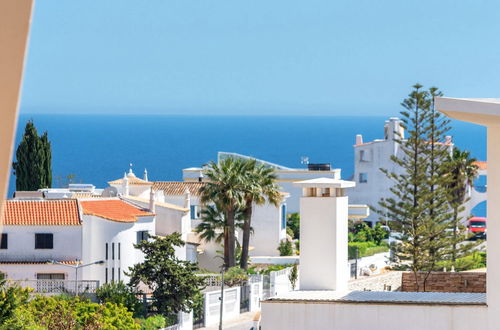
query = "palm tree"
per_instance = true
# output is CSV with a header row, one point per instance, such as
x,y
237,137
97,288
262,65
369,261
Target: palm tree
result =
x,y
462,171
259,188
224,189
213,224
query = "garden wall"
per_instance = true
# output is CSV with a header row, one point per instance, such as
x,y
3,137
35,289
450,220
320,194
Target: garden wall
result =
x,y
446,282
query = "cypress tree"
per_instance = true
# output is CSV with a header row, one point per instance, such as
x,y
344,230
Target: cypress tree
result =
x,y
33,161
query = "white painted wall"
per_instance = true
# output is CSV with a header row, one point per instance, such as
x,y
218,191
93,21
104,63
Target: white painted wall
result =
x,y
346,316
29,272
97,232
21,243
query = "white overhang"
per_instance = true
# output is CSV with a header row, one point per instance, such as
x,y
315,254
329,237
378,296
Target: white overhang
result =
x,y
482,111
324,183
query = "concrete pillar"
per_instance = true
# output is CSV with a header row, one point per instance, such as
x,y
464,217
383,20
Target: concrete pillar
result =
x,y
323,234
125,187
493,258
152,208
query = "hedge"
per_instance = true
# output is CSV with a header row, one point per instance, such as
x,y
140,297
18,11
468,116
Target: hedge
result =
x,y
365,249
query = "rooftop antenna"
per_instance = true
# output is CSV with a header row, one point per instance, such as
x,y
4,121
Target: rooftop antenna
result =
x,y
304,160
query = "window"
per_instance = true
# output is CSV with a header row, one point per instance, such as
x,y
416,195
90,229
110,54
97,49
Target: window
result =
x,y
195,212
363,177
119,251
3,241
54,276
112,251
44,241
113,274
283,216
106,275
364,155
142,236
106,251
119,276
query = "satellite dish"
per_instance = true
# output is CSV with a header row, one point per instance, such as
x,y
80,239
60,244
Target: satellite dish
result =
x,y
109,192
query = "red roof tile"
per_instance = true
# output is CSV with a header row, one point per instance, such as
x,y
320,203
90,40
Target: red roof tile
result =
x,y
41,213
113,209
481,165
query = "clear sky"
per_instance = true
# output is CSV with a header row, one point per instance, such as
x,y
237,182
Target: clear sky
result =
x,y
273,57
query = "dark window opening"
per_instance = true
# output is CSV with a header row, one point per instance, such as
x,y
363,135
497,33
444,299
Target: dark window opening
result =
x,y
44,241
3,241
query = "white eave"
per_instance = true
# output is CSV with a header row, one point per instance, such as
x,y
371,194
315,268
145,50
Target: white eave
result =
x,y
324,183
482,111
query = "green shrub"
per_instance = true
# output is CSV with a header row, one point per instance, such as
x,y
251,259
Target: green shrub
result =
x,y
293,222
273,268
365,249
235,276
121,294
11,297
153,322
285,248
473,261
56,313
289,232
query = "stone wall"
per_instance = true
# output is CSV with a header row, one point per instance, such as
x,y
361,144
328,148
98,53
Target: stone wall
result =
x,y
446,282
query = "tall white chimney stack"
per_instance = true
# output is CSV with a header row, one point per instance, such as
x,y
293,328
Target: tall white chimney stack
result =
x,y
125,187
323,234
359,139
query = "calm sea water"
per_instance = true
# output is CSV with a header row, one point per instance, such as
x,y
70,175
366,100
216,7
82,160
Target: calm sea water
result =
x,y
99,148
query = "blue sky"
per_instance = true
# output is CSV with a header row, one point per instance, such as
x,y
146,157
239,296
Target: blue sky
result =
x,y
279,57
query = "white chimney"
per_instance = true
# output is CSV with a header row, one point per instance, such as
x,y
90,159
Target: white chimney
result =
x,y
125,187
145,175
359,139
152,207
187,199
323,234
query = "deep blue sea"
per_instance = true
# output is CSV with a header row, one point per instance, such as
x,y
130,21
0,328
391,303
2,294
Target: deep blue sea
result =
x,y
99,148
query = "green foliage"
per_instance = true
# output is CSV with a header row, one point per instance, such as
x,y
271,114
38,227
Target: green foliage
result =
x,y
56,313
294,276
259,187
290,232
285,248
365,249
33,169
273,268
473,261
462,171
153,322
11,297
224,189
198,306
120,294
173,281
235,276
293,222
297,247
361,232
418,207
234,185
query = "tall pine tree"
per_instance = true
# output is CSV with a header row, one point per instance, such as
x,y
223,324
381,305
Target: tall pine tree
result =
x,y
33,166
419,207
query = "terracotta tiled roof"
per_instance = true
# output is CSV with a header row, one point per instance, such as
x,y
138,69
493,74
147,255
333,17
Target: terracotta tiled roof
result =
x,y
177,188
113,209
481,165
132,180
82,195
146,201
41,213
38,262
